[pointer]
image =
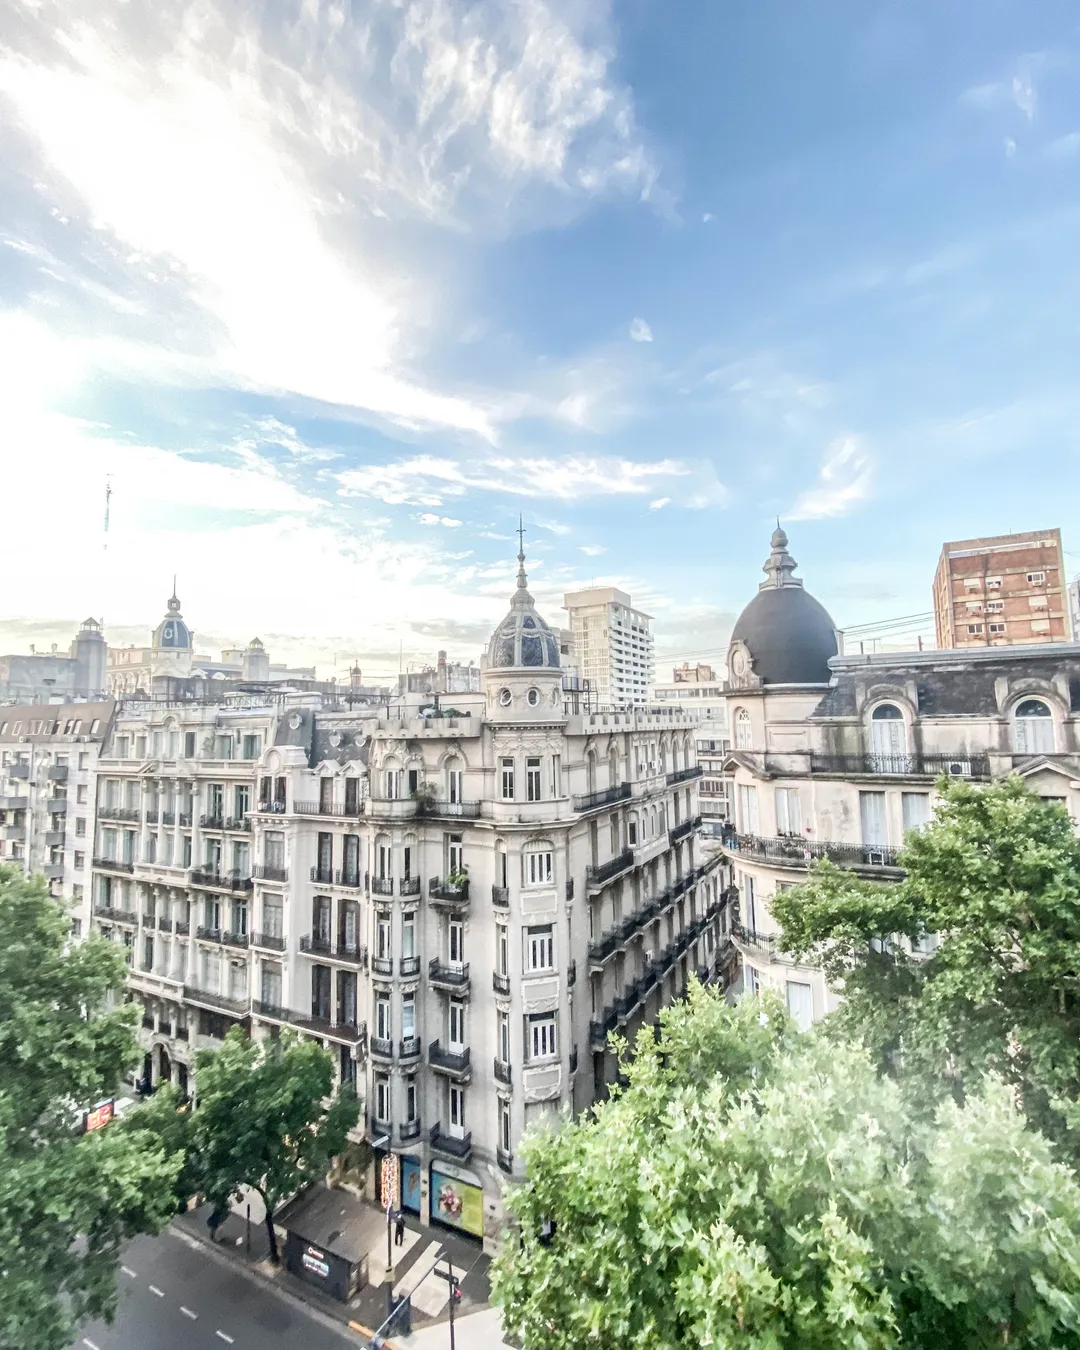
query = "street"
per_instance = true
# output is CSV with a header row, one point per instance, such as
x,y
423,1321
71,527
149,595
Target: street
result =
x,y
174,1295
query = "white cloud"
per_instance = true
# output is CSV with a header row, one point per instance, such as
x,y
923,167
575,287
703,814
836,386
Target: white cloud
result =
x,y
706,217
843,482
592,550
428,518
427,480
228,168
1023,93
1065,147
640,331
1010,147
659,503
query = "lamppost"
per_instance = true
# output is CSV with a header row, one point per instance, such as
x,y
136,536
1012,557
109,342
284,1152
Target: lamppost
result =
x,y
391,1177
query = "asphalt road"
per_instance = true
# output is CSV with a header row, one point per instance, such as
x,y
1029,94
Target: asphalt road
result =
x,y
174,1296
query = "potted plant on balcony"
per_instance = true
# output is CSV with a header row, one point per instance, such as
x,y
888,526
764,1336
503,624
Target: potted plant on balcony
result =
x,y
424,797
457,881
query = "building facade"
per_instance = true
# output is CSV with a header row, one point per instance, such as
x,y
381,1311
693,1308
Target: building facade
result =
x,y
699,693
48,764
838,756
612,646
460,904
1003,590
48,677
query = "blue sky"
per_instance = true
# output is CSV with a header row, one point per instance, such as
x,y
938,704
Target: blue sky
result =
x,y
329,293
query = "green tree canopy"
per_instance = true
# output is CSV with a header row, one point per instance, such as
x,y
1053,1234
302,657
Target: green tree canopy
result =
x,y
752,1187
264,1119
68,1201
996,877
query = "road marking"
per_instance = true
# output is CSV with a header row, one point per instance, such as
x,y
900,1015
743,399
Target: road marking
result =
x,y
155,1290
128,1271
188,1313
229,1339
89,1344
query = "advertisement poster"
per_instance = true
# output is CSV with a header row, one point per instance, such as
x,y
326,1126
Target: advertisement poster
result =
x,y
457,1203
100,1116
410,1185
315,1261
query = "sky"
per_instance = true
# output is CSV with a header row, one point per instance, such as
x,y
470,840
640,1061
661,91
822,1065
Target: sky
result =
x,y
328,293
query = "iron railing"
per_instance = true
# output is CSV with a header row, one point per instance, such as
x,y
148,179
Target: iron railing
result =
x,y
589,801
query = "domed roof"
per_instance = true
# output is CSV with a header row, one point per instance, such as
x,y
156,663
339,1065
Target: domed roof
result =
x,y
787,633
172,633
523,639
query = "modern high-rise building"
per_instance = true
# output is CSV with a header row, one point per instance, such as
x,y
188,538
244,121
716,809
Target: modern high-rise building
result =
x,y
1003,590
613,646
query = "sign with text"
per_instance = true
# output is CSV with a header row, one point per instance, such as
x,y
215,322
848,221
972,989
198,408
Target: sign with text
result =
x,y
100,1115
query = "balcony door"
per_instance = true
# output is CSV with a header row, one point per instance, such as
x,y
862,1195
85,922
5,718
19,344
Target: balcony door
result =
x,y
320,920
456,944
887,739
456,1037
456,1112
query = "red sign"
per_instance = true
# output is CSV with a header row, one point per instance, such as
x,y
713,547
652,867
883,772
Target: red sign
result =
x,y
100,1115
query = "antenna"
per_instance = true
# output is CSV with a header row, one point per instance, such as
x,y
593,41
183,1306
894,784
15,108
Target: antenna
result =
x,y
108,497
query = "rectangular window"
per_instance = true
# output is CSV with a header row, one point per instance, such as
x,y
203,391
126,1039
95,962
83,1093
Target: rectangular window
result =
x,y
1038,601
382,1017
382,938
456,942
993,583
408,1015
532,779
456,1024
185,851
272,916
748,809
504,1125
1036,578
537,868
800,1004
872,815
788,814
274,850
541,1039
252,746
81,797
408,935
997,628
502,949
455,786
540,948
189,745
1040,625
393,784
456,1109
995,606
80,827
455,853
504,1036
916,808
382,1098
326,795
974,629
507,777
80,861
556,776
411,1112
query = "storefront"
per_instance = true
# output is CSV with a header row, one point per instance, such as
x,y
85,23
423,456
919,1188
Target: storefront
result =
x,y
410,1183
457,1198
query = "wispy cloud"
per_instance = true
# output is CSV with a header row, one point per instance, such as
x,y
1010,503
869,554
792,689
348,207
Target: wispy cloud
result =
x,y
427,480
592,550
640,331
843,482
429,518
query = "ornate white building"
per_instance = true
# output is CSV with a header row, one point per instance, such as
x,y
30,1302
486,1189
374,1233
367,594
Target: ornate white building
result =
x,y
837,756
461,906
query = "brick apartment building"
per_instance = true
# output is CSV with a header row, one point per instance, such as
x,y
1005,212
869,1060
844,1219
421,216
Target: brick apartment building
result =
x,y
1002,590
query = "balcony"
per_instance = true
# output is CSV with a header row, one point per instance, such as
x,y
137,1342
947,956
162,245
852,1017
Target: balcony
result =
x,y
453,977
122,813
602,873
221,881
379,1047
329,809
409,965
409,886
450,810
503,1072
317,1021
53,870
207,934
324,876
455,1063
453,895
16,771
757,944
272,808
452,1144
168,817
598,1030
792,851
18,832
409,1130
590,801
113,865
205,998
237,823
235,939
410,1047
116,915
56,806
500,983
682,831
314,944
600,950
382,885
392,808
684,775
58,773
212,822
382,965
183,928
270,872
164,923
960,765
500,897
271,942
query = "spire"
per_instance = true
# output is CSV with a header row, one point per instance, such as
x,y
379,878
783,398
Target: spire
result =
x,y
174,602
779,565
521,596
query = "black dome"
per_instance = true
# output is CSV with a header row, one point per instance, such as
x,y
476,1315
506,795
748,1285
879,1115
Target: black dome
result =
x,y
790,636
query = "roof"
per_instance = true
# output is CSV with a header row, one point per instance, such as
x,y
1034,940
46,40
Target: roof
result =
x,y
56,716
523,639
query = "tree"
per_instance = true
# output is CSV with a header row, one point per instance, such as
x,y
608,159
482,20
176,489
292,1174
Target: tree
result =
x,y
756,1189
262,1119
996,877
68,1200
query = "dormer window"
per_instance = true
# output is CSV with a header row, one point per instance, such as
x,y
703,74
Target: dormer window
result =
x,y
1033,728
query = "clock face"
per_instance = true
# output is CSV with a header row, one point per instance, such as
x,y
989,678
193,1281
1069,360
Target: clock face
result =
x,y
168,633
739,662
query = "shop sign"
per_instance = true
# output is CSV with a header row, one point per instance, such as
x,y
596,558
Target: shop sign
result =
x,y
314,1260
100,1115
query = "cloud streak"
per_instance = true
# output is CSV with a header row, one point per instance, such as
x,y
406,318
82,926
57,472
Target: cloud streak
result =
x,y
844,481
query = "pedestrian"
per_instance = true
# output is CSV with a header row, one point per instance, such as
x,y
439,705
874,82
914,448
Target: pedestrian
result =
x,y
399,1230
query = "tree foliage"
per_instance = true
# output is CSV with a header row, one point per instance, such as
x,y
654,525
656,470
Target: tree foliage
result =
x,y
68,1201
754,1188
996,876
264,1120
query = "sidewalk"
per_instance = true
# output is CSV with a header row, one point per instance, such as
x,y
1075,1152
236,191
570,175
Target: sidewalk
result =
x,y
476,1331
430,1295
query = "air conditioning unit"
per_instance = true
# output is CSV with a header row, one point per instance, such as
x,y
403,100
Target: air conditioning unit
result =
x,y
959,768
875,859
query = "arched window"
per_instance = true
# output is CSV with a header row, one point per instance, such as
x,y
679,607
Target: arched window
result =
x,y
1033,728
590,771
888,738
613,767
742,729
